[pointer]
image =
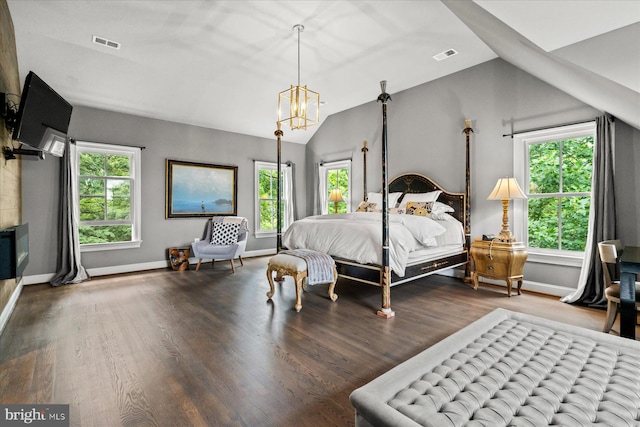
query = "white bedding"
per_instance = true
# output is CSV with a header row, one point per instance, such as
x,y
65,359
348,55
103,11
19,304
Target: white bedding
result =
x,y
357,236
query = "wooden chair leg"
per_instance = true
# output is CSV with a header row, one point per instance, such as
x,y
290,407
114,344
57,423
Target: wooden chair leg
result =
x,y
199,262
212,262
241,261
270,278
332,285
299,280
233,266
612,311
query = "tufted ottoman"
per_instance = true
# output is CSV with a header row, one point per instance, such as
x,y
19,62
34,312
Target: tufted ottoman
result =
x,y
296,267
510,369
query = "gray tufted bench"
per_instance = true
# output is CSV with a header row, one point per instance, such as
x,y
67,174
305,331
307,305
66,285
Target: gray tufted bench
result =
x,y
510,369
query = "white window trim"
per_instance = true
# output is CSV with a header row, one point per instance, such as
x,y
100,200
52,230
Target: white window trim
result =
x,y
287,194
136,188
323,170
521,173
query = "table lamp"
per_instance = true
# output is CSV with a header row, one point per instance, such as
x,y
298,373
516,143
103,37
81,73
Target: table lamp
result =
x,y
335,197
505,190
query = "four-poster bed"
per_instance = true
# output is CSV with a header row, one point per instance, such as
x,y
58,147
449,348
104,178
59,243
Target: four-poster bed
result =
x,y
452,252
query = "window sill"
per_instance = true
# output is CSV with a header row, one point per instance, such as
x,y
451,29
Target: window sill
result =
x,y
94,247
567,259
264,235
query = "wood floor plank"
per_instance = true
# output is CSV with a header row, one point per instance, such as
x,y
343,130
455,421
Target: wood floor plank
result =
x,y
207,348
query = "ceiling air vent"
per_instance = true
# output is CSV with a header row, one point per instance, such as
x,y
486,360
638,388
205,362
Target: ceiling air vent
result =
x,y
106,42
444,55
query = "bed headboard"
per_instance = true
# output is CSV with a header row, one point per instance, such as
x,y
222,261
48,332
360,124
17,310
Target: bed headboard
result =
x,y
417,183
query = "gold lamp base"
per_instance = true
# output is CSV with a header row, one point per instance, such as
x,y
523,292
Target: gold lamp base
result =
x,y
505,235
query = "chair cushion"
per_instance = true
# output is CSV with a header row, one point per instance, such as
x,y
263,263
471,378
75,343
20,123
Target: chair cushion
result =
x,y
613,291
224,233
290,262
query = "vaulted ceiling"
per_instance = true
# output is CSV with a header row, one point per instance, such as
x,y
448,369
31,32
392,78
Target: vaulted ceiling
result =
x,y
221,64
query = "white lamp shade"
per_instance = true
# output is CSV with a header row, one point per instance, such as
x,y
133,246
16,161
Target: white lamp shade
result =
x,y
336,196
507,189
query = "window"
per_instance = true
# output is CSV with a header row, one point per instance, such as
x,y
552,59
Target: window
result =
x,y
335,176
108,200
555,166
266,174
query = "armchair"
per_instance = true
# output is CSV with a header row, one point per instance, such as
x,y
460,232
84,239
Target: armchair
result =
x,y
610,251
225,238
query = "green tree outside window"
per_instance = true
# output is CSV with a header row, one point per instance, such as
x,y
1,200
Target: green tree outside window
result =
x,y
559,189
105,198
338,178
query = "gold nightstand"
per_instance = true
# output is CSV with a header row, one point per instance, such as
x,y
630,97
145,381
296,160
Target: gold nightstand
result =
x,y
498,260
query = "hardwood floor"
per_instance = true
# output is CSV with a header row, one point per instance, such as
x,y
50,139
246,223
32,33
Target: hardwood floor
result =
x,y
165,348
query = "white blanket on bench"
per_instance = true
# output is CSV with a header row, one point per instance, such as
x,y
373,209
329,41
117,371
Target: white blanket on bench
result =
x,y
319,265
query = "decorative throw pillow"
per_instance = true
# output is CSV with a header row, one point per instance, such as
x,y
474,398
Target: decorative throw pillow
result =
x,y
224,233
366,207
419,208
399,211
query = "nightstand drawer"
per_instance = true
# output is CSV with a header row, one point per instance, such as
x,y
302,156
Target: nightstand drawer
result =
x,y
488,266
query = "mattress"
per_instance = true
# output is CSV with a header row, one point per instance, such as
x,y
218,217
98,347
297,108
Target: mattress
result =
x,y
510,369
436,252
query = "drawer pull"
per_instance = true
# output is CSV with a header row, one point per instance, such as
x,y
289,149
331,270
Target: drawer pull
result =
x,y
490,267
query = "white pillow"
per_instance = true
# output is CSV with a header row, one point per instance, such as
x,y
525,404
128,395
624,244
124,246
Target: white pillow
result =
x,y
432,196
439,207
377,199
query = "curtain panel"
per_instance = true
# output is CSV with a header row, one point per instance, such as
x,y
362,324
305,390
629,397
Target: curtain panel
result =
x,y
602,215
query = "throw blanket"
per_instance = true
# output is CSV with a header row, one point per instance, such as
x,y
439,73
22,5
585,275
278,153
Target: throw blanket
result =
x,y
319,265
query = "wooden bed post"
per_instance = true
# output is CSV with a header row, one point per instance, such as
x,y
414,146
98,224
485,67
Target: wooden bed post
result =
x,y
467,220
364,169
278,133
385,279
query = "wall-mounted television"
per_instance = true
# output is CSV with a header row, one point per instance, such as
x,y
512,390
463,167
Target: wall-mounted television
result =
x,y
14,251
43,117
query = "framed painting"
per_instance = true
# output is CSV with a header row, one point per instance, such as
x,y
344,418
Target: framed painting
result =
x,y
200,189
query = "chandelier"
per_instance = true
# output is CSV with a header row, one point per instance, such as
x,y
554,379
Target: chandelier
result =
x,y
298,107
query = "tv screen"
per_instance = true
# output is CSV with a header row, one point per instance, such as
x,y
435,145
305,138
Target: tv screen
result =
x,y
43,117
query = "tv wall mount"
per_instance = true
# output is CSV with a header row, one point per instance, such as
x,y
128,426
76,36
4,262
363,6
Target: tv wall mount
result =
x,y
9,113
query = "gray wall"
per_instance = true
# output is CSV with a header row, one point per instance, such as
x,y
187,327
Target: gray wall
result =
x,y
425,135
162,140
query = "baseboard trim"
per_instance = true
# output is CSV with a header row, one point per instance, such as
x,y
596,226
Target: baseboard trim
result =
x,y
538,287
129,268
527,285
8,309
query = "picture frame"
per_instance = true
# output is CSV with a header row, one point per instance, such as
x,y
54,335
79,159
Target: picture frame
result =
x,y
195,190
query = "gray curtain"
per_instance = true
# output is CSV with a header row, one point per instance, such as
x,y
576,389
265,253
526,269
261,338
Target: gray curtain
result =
x,y
320,189
602,216
69,269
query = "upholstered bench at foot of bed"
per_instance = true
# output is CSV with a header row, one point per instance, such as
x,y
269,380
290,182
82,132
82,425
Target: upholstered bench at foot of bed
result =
x,y
296,267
